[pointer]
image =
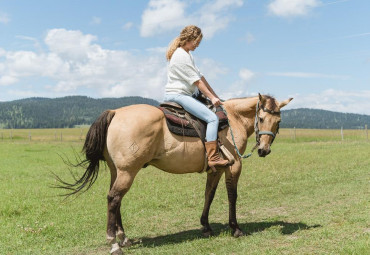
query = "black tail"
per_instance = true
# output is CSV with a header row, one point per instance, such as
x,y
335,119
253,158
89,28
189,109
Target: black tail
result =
x,y
93,149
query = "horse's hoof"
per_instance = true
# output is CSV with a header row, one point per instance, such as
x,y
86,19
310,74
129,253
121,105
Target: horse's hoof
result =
x,y
116,250
125,243
238,233
207,233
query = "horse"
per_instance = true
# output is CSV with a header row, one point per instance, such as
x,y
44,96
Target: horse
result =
x,y
133,137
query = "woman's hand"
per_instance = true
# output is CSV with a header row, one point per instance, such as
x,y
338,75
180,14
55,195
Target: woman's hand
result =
x,y
216,101
204,89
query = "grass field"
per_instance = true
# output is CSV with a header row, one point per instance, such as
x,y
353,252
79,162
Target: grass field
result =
x,y
310,196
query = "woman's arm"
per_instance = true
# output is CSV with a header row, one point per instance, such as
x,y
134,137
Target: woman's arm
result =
x,y
209,87
208,91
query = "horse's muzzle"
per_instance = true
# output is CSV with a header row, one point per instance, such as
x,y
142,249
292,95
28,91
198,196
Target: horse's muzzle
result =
x,y
263,152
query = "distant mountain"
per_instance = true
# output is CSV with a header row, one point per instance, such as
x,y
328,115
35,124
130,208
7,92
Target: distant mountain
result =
x,y
81,110
321,119
60,112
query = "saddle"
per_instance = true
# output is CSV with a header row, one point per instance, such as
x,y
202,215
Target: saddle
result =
x,y
180,122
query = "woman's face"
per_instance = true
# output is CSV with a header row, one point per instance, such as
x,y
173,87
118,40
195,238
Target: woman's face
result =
x,y
191,45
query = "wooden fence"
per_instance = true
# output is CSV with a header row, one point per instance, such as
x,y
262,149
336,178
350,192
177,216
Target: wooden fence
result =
x,y
285,134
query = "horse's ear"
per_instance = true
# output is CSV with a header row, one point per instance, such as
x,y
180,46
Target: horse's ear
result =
x,y
262,99
285,102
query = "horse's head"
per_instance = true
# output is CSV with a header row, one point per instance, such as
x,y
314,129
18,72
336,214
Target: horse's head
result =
x,y
267,122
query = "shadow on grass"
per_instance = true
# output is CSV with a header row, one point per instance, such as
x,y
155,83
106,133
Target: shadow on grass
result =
x,y
287,228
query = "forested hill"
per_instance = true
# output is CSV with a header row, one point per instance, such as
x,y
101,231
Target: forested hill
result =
x,y
60,112
80,110
321,119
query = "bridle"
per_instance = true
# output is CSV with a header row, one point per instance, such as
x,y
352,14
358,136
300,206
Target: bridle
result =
x,y
256,124
256,128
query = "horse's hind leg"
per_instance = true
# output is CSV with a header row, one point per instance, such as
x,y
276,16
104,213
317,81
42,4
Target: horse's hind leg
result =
x,y
119,188
120,233
212,182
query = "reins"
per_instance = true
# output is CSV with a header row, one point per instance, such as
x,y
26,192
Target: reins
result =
x,y
256,129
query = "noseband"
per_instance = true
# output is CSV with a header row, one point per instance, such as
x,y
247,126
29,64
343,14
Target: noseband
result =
x,y
256,124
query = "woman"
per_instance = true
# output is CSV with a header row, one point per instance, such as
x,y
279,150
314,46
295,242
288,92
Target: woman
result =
x,y
184,79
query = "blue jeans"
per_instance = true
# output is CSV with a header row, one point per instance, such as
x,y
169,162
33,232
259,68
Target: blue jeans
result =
x,y
199,110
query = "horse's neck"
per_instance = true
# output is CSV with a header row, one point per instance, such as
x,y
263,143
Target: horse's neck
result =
x,y
243,111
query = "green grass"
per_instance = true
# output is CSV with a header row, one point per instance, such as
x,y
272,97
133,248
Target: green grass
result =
x,y
310,196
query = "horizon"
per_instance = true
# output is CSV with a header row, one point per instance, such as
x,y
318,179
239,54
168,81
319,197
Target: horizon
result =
x,y
303,49
285,108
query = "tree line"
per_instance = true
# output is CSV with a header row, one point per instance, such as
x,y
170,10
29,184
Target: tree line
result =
x,y
67,112
322,119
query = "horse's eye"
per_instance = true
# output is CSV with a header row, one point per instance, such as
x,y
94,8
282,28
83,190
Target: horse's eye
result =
x,y
261,119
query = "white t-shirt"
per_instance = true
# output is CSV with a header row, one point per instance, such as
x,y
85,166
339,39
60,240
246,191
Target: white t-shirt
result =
x,y
182,73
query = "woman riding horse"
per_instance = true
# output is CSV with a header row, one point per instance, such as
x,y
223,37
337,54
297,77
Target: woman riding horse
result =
x,y
133,137
184,78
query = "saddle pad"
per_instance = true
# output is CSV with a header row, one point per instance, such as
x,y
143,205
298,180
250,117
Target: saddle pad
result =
x,y
180,125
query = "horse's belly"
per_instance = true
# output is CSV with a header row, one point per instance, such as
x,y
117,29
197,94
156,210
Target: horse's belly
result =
x,y
181,155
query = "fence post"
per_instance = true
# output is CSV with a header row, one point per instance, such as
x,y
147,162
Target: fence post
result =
x,y
11,135
2,137
341,132
29,135
294,133
81,135
61,136
367,135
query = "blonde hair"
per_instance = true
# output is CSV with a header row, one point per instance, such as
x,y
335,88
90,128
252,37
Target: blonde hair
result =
x,y
188,33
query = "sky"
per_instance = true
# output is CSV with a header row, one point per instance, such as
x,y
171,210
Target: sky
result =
x,y
316,51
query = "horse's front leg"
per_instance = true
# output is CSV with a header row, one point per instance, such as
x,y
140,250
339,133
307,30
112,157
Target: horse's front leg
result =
x,y
231,179
211,186
120,232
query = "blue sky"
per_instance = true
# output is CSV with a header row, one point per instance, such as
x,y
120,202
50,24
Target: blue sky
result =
x,y
313,50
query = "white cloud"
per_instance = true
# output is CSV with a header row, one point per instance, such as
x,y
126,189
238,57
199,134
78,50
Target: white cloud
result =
x,y
2,52
167,15
161,16
335,2
160,50
211,69
249,38
214,16
71,44
127,26
246,74
335,100
25,93
74,62
28,38
239,88
96,21
308,75
4,18
288,8
7,80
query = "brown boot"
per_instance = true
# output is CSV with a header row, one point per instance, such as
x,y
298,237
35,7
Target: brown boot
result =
x,y
214,159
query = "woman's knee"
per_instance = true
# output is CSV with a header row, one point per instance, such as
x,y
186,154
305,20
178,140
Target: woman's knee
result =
x,y
213,118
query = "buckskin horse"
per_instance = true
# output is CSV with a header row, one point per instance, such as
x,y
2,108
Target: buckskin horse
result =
x,y
132,137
